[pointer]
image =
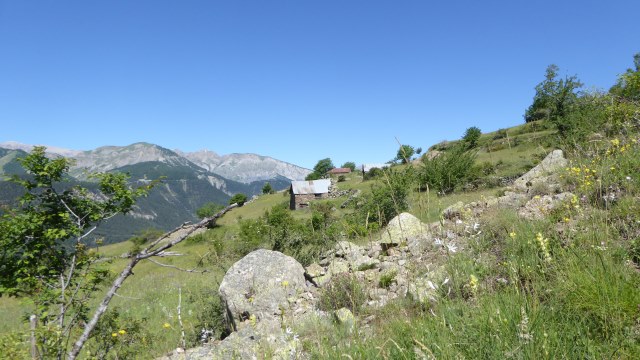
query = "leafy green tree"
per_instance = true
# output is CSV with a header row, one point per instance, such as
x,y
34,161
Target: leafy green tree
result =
x,y
405,152
267,189
628,85
43,246
239,199
553,96
471,137
349,164
323,166
209,209
312,176
321,169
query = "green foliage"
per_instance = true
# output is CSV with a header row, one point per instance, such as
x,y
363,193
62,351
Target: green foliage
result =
x,y
342,178
628,85
32,237
405,152
305,240
210,322
471,137
387,278
267,189
209,209
449,170
118,336
239,199
349,164
43,244
143,237
342,291
323,166
313,176
553,96
387,199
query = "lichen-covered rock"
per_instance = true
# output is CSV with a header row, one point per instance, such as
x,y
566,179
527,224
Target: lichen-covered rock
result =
x,y
314,270
345,317
265,339
540,206
552,163
260,285
400,228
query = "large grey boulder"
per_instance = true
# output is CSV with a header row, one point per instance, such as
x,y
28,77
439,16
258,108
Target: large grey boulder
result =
x,y
400,228
260,286
552,163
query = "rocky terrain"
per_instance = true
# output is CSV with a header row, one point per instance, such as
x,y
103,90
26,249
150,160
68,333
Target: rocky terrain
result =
x,y
269,295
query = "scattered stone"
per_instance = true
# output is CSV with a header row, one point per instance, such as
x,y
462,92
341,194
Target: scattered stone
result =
x,y
314,270
400,228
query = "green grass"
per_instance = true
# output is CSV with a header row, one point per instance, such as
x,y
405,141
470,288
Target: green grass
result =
x,y
584,301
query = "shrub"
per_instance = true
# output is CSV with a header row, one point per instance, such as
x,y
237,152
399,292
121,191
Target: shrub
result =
x,y
387,278
344,290
471,137
239,198
209,209
500,134
451,169
342,178
386,200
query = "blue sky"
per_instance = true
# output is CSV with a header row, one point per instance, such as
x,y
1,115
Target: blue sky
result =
x,y
298,80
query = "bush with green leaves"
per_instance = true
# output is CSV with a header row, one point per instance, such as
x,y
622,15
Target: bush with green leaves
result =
x,y
267,188
449,170
388,198
239,199
471,137
209,209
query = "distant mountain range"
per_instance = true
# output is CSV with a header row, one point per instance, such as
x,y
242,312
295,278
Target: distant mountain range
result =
x,y
190,179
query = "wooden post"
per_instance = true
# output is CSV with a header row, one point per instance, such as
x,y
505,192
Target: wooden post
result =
x,y
34,348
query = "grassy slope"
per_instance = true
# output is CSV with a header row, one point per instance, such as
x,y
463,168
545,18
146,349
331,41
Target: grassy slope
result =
x,y
152,293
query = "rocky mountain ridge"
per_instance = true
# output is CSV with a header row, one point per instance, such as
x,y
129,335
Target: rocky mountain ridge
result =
x,y
244,168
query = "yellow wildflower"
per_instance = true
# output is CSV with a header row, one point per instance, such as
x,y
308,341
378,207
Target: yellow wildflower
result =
x,y
114,334
512,234
285,283
166,325
122,332
615,142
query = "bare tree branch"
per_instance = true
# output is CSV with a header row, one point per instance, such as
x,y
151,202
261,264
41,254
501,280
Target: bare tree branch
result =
x,y
128,270
177,268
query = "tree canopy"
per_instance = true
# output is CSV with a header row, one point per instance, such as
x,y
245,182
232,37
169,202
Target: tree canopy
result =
x,y
553,96
405,152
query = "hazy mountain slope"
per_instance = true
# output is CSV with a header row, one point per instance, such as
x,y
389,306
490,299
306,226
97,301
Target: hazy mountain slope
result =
x,y
246,168
14,145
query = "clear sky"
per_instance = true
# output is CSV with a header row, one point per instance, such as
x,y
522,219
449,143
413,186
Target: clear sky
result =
x,y
298,80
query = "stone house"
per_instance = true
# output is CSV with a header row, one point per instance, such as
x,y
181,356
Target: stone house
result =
x,y
303,192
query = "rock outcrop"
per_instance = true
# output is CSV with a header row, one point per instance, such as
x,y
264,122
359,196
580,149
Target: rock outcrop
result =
x,y
267,291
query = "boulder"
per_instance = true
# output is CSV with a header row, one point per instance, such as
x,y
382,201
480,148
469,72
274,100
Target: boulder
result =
x,y
540,206
344,316
552,163
400,228
260,285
